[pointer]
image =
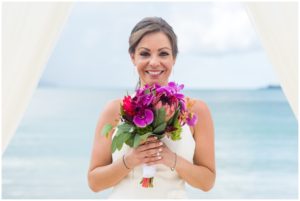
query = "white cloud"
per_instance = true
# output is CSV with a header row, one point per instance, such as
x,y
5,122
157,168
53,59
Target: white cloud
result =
x,y
214,28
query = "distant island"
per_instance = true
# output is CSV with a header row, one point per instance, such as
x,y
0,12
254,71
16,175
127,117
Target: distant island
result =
x,y
271,86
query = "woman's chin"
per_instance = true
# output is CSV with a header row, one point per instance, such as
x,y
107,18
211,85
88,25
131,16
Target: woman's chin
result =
x,y
156,81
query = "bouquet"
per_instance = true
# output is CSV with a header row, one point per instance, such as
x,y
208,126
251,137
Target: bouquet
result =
x,y
153,110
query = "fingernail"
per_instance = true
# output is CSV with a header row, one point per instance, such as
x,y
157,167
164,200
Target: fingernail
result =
x,y
160,143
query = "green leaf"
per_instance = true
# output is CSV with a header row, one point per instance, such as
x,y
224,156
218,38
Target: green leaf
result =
x,y
120,139
175,116
130,141
106,129
124,137
119,144
114,144
176,135
145,136
125,127
137,140
160,128
160,116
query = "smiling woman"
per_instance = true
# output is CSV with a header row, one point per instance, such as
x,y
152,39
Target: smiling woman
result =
x,y
153,59
153,51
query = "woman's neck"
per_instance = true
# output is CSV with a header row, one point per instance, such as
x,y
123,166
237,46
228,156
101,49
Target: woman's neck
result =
x,y
142,84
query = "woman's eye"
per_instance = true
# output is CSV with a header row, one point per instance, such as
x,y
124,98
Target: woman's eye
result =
x,y
144,54
164,54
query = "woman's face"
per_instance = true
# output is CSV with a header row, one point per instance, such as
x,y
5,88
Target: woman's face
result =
x,y
153,59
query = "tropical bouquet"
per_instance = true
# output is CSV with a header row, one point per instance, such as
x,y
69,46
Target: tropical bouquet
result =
x,y
153,110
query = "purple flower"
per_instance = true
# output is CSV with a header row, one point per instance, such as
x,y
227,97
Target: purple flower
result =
x,y
191,119
175,86
143,118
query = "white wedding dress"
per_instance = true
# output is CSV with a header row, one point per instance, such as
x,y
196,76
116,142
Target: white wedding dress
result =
x,y
166,183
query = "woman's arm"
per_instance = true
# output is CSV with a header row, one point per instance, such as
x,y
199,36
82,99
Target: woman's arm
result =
x,y
202,173
103,173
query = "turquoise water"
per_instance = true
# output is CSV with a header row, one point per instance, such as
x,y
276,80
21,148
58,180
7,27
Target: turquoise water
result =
x,y
256,141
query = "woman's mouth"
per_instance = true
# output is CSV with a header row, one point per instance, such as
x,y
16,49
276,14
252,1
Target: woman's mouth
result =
x,y
155,73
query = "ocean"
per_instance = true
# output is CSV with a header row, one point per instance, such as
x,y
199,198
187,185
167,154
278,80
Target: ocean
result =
x,y
256,145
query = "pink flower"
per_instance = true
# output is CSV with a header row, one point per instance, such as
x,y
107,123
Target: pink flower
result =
x,y
191,119
169,109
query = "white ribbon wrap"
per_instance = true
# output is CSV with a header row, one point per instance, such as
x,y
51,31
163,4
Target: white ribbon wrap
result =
x,y
149,171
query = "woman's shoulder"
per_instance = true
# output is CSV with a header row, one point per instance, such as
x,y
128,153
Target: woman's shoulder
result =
x,y
112,105
197,106
111,110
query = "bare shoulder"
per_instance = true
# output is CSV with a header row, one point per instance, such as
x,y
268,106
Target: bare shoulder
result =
x,y
112,108
201,108
198,106
110,114
204,123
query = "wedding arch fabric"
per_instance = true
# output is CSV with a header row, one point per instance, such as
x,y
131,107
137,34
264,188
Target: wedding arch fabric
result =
x,y
30,30
277,26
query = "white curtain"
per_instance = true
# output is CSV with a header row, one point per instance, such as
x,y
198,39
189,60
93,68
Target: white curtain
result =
x,y
29,33
277,26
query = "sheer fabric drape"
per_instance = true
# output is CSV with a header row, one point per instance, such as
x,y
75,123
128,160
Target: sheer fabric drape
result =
x,y
277,26
29,33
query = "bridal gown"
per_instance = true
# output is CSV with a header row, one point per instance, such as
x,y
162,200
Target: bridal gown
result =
x,y
166,183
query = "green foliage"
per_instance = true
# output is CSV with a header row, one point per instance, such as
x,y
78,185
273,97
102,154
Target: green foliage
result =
x,y
140,138
159,118
106,129
137,140
175,116
119,139
160,129
176,134
142,131
125,127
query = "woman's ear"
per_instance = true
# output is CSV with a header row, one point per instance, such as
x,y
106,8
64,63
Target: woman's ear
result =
x,y
132,58
174,61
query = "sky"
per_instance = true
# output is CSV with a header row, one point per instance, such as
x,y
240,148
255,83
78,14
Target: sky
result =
x,y
218,46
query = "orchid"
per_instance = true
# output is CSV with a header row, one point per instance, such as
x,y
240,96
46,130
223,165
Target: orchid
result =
x,y
143,118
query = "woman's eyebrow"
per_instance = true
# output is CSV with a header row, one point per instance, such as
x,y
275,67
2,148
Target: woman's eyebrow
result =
x,y
144,48
164,48
158,49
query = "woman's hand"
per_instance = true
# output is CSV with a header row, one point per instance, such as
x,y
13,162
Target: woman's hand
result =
x,y
147,152
150,152
168,157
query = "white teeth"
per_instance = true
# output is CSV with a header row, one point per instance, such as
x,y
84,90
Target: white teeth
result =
x,y
154,72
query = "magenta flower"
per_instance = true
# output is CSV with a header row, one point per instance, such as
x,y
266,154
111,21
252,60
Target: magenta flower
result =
x,y
191,119
143,118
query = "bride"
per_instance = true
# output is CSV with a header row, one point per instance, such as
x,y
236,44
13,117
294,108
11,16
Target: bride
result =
x,y
153,51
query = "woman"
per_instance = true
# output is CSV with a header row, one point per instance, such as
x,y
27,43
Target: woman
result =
x,y
153,51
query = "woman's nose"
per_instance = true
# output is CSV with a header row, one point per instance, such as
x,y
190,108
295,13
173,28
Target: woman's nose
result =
x,y
154,61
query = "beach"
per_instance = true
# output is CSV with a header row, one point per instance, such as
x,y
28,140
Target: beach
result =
x,y
256,145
